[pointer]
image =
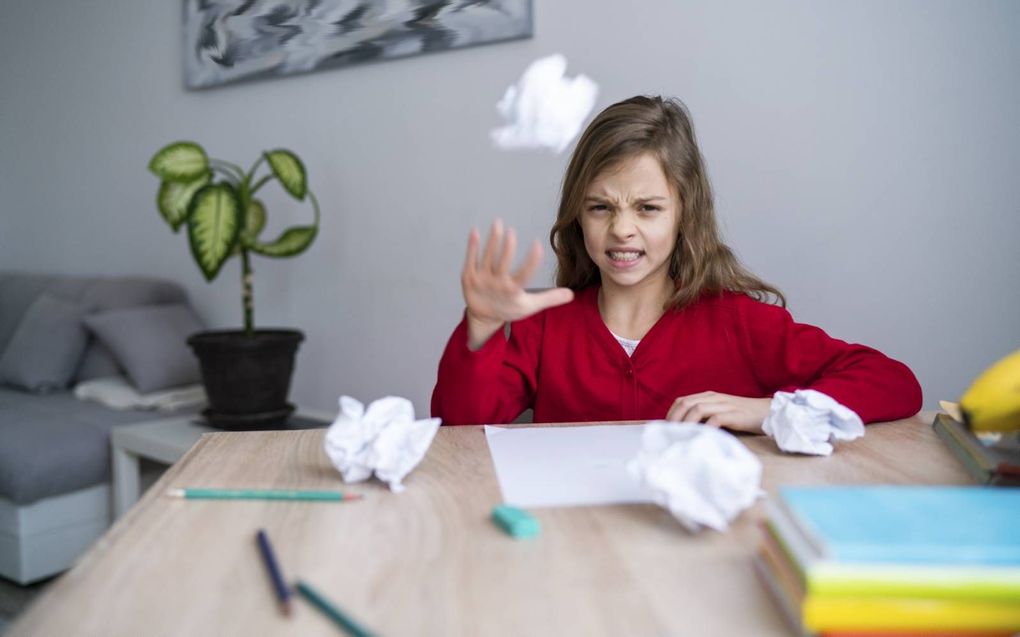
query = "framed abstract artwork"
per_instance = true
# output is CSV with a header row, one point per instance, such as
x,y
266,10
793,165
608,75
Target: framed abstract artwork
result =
x,y
231,40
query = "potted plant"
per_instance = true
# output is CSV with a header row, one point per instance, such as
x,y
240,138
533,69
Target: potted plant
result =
x,y
246,372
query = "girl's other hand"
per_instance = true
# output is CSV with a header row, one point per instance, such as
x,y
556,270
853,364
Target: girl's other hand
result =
x,y
494,295
721,410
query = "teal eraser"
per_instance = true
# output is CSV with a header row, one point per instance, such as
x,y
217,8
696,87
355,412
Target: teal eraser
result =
x,y
516,522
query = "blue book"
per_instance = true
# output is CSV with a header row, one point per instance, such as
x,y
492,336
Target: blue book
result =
x,y
887,541
908,525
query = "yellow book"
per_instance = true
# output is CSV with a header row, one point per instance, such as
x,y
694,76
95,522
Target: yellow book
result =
x,y
834,613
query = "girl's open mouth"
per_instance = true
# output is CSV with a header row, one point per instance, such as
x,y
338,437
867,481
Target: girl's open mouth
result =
x,y
624,258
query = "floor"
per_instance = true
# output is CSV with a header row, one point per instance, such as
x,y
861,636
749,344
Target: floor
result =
x,y
15,598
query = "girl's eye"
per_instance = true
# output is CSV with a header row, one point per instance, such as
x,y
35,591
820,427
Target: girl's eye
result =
x,y
650,208
598,207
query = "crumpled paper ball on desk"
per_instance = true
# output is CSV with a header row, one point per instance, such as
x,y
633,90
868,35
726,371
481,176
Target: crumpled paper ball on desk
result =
x,y
703,475
384,439
808,421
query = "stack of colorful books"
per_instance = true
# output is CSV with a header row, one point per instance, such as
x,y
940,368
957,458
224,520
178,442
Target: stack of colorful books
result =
x,y
892,560
994,459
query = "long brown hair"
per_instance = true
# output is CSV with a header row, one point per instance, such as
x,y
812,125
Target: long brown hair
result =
x,y
701,263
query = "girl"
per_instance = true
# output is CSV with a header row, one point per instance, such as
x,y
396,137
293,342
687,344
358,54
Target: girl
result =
x,y
654,316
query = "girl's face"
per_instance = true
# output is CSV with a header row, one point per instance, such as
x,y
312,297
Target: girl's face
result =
x,y
630,220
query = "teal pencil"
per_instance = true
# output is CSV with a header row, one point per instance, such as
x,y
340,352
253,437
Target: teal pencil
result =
x,y
334,613
261,494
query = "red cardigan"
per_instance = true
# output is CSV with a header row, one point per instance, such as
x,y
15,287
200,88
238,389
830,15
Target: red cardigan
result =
x,y
566,365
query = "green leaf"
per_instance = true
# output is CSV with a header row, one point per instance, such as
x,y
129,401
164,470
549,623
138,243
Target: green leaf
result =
x,y
214,224
174,198
289,170
180,161
293,241
254,222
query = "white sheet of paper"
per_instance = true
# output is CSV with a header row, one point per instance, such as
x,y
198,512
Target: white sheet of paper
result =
x,y
566,466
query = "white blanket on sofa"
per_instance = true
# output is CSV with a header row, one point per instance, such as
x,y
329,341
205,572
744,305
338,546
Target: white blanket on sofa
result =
x,y
116,392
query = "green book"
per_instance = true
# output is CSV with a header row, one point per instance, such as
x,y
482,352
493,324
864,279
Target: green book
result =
x,y
828,614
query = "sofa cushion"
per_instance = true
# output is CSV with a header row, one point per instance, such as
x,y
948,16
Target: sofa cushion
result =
x,y
54,444
97,362
18,290
151,344
46,347
17,293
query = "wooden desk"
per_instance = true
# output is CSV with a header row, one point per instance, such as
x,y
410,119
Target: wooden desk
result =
x,y
165,440
429,561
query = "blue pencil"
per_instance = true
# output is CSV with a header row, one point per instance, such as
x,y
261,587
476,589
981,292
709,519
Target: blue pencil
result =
x,y
269,559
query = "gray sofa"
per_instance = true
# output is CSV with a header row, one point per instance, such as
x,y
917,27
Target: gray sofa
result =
x,y
54,449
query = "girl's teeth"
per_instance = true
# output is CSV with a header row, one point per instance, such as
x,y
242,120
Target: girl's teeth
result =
x,y
624,256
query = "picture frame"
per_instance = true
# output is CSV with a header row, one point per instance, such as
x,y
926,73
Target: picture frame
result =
x,y
227,41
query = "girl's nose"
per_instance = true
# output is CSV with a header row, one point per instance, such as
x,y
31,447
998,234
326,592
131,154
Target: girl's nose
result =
x,y
622,225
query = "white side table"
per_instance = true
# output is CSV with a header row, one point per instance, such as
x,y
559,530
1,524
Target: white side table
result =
x,y
164,440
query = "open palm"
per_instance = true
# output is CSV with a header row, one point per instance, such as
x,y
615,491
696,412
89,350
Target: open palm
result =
x,y
493,293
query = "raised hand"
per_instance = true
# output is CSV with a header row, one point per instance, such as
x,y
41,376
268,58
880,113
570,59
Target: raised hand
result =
x,y
721,410
494,295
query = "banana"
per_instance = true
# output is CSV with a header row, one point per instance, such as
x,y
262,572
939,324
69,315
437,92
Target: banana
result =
x,y
992,403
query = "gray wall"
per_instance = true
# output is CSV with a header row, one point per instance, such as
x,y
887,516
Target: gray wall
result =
x,y
864,155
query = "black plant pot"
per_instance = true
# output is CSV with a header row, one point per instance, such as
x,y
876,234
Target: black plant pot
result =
x,y
247,378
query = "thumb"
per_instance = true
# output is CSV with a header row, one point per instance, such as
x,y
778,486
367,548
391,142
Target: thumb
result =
x,y
551,298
